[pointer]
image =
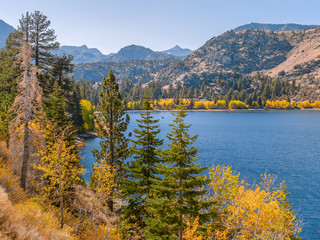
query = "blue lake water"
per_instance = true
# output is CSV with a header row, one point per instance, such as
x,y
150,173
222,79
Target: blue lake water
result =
x,y
286,143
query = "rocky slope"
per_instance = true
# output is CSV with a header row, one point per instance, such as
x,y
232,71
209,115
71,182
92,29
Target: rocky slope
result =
x,y
5,29
289,54
142,70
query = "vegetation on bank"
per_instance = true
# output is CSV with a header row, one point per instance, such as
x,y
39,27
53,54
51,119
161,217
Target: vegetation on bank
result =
x,y
169,104
137,192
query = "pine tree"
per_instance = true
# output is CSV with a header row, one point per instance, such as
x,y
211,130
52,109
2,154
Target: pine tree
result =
x,y
55,107
25,129
137,187
112,123
60,70
35,30
77,117
178,192
42,39
9,74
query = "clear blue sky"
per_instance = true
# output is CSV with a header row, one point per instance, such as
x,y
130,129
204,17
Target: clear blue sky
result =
x,y
158,24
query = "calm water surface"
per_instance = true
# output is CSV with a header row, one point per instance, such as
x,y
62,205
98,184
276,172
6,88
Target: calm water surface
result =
x,y
285,143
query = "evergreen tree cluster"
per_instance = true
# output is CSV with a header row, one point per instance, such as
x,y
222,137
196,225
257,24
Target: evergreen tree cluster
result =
x,y
248,89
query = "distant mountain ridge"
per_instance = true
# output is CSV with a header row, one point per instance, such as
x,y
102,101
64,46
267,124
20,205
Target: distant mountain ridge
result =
x,y
178,51
135,52
5,29
82,54
275,27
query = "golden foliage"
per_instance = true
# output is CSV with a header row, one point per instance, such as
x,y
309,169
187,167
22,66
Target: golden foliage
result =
x,y
279,104
87,110
166,104
305,105
236,104
57,161
100,232
221,104
190,233
210,105
315,104
199,105
134,105
250,212
103,180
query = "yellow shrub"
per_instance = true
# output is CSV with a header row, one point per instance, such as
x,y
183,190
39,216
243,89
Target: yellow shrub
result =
x,y
236,104
210,105
316,104
304,105
278,104
199,105
185,102
166,103
293,104
221,104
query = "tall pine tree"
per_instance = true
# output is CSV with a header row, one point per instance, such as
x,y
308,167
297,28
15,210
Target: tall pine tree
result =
x,y
111,124
178,192
137,188
56,108
42,39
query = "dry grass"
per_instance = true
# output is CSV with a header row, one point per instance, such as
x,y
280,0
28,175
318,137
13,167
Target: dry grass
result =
x,y
28,221
9,182
4,153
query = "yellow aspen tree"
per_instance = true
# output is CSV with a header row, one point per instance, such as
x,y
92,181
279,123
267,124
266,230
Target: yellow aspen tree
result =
x,y
61,169
250,212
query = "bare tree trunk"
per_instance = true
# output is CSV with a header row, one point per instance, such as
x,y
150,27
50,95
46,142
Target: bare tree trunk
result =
x,y
26,155
110,197
61,205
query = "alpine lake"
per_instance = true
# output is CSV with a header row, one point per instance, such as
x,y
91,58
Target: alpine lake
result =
x,y
285,143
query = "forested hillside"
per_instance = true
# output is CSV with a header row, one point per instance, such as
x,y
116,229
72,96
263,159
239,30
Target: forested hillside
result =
x,y
136,69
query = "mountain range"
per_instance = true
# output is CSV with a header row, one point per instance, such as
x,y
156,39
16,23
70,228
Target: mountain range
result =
x,y
275,27
287,51
292,54
83,54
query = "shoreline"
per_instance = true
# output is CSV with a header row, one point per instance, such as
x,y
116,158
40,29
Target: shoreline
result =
x,y
81,138
226,110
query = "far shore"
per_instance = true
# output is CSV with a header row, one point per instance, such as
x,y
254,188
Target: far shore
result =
x,y
225,110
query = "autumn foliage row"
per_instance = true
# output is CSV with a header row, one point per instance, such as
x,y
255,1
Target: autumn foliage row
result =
x,y
169,104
